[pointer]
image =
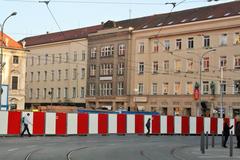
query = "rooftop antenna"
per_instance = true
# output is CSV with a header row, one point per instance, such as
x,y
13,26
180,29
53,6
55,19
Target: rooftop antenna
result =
x,y
172,3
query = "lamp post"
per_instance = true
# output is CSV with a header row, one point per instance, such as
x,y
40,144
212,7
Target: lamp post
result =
x,y
1,54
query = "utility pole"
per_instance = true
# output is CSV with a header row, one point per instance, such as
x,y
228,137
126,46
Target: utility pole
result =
x,y
221,89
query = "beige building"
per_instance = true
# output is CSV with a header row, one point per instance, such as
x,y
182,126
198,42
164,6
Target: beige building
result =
x,y
13,73
56,68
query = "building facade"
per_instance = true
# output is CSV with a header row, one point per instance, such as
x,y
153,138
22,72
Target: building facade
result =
x,y
13,73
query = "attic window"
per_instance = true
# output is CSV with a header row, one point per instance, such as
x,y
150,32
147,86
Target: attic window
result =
x,y
227,14
210,16
170,22
194,19
145,26
184,20
159,24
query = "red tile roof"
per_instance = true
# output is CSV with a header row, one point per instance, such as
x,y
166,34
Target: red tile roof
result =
x,y
180,17
8,42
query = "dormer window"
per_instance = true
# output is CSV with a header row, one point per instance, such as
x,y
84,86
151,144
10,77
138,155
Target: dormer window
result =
x,y
145,26
184,20
159,24
210,16
227,14
170,22
194,19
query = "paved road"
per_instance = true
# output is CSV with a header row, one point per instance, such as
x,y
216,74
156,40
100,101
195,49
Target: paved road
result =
x,y
108,148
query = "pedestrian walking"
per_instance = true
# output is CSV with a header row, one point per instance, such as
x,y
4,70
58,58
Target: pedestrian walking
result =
x,y
237,132
226,133
26,122
148,126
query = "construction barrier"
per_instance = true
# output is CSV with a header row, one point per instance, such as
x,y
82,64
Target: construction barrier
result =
x,y
103,123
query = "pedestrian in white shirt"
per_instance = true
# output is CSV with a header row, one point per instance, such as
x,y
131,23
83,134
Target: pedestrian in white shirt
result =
x,y
26,122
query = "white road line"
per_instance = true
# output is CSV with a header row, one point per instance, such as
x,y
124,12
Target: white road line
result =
x,y
13,149
31,146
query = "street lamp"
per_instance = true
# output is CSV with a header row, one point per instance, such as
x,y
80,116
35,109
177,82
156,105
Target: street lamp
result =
x,y
1,54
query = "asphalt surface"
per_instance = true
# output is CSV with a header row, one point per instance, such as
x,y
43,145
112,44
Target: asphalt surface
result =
x,y
112,147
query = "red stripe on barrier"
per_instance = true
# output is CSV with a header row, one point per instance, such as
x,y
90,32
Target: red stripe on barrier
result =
x,y
213,125
200,123
121,123
38,123
185,125
102,123
82,123
170,124
14,123
139,124
155,124
61,123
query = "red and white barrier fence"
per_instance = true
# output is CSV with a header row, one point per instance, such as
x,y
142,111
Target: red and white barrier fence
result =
x,y
90,123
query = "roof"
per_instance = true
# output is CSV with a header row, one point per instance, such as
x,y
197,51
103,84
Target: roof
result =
x,y
186,16
8,42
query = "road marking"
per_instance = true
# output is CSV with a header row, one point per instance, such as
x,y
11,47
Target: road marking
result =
x,y
31,146
70,153
13,149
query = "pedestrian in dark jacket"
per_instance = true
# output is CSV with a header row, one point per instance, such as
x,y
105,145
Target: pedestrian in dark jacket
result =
x,y
226,133
148,126
237,132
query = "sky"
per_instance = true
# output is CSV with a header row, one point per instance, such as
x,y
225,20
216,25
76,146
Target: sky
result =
x,y
33,18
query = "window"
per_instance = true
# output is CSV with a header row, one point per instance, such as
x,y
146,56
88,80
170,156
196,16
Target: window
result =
x,y
83,55
223,40
165,88
53,58
177,88
92,89
106,69
107,51
236,86
31,76
74,92
237,62
58,92
45,75
237,38
39,60
46,58
38,76
75,56
178,65
82,95
93,52
60,58
52,75
154,89
105,89
59,74
44,93
120,68
92,70
66,57
140,88
206,42
37,93
66,74
224,87
14,82
155,67
83,73
74,74
15,59
167,45
205,87
65,92
120,88
155,46
51,93
190,43
141,47
190,65
206,64
189,88
121,49
223,62
140,67
178,44
32,63
30,93
166,66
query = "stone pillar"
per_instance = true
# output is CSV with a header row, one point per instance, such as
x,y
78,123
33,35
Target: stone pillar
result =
x,y
170,111
114,106
97,105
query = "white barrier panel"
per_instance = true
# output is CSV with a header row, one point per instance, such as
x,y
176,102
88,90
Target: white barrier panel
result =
x,y
3,122
130,123
232,123
207,125
72,123
93,123
177,125
112,123
30,118
220,125
50,123
163,124
192,125
146,117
